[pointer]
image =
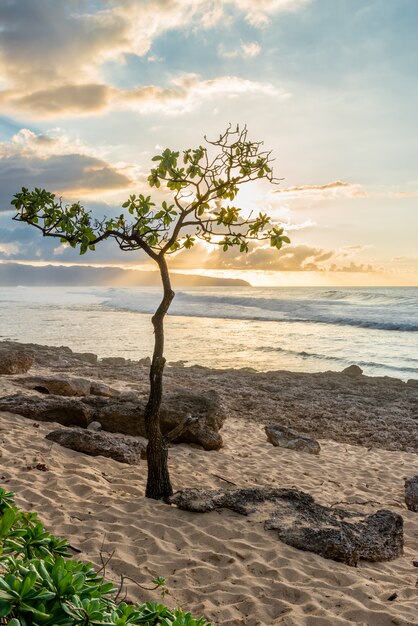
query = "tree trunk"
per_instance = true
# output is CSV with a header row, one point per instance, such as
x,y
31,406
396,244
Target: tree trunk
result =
x,y
158,481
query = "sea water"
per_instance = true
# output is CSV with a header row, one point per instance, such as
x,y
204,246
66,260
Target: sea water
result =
x,y
299,329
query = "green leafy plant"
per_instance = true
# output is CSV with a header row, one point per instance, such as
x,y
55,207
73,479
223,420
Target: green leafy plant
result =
x,y
202,185
41,585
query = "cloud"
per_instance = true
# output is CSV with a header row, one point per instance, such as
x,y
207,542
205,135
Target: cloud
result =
x,y
295,258
327,190
53,162
245,51
183,93
44,43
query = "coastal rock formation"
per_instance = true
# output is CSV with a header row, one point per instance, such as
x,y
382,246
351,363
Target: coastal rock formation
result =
x,y
57,385
120,449
411,493
65,411
286,438
127,418
14,360
101,389
300,522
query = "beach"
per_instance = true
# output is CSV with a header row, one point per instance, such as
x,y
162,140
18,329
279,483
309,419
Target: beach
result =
x,y
220,564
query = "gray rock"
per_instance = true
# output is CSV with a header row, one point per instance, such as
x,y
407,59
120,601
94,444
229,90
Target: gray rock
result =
x,y
300,522
412,382
87,357
120,449
128,417
58,385
411,493
286,438
353,370
65,411
14,360
113,360
95,426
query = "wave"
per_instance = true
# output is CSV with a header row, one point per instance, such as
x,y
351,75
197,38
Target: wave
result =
x,y
343,361
399,316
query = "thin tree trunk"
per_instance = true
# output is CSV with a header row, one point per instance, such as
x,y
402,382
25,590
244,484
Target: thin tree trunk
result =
x,y
158,482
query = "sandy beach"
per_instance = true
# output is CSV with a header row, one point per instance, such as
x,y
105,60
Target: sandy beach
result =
x,y
220,564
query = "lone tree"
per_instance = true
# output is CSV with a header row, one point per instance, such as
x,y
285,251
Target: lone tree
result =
x,y
203,182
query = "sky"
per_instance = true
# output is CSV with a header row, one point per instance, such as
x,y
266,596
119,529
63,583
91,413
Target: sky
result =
x,y
90,90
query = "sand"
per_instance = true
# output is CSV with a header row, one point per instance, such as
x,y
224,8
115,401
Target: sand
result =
x,y
221,565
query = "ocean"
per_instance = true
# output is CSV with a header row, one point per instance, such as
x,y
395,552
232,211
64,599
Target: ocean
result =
x,y
299,329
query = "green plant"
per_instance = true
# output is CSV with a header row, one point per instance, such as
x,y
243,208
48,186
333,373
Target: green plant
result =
x,y
41,585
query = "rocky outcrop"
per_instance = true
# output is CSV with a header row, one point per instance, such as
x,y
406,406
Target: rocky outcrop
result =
x,y
57,385
286,438
300,522
126,417
93,443
65,411
118,416
411,493
101,389
14,360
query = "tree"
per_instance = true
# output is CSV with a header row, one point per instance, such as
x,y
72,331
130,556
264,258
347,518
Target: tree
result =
x,y
200,182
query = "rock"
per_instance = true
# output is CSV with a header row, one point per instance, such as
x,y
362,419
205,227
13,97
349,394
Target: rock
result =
x,y
287,438
300,522
128,396
101,389
412,382
145,362
353,371
120,449
411,493
113,360
128,417
95,426
65,411
14,360
58,385
87,357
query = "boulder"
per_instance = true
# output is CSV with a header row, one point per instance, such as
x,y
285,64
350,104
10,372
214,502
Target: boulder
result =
x,y
14,360
411,493
113,360
286,438
127,418
96,426
93,443
86,357
58,385
65,411
353,371
300,522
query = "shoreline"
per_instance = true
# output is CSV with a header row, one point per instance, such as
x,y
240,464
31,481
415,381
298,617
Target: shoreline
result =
x,y
222,565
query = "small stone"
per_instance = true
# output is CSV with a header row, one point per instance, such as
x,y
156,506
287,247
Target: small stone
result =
x,y
353,371
286,438
411,493
95,426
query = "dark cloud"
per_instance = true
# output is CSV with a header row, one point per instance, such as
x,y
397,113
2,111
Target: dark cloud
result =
x,y
59,173
66,99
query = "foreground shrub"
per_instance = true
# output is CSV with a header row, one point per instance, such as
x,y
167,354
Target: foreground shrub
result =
x,y
41,585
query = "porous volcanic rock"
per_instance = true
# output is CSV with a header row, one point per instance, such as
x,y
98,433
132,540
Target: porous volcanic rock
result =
x,y
286,438
300,522
120,449
117,415
65,411
14,360
57,385
411,493
127,418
